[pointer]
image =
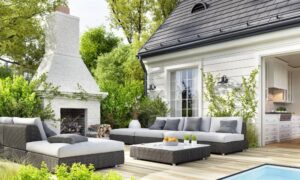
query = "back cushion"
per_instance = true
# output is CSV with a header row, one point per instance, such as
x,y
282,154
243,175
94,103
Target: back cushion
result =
x,y
181,122
205,124
192,124
32,121
6,120
215,123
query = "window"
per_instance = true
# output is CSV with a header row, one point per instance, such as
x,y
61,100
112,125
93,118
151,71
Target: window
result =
x,y
199,7
184,93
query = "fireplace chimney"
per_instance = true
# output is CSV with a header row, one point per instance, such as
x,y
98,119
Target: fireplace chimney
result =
x,y
63,9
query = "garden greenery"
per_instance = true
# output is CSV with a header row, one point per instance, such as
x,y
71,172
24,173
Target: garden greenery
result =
x,y
62,172
240,101
18,98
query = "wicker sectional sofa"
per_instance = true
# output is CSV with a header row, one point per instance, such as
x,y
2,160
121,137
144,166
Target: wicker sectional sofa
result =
x,y
24,143
221,143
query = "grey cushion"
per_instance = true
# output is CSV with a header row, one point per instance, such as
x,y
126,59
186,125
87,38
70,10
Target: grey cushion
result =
x,y
192,124
205,124
67,138
181,123
48,131
158,125
172,125
228,126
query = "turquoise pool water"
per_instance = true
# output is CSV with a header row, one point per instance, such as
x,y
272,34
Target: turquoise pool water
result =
x,y
268,172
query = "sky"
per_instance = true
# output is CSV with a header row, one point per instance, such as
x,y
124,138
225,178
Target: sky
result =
x,y
92,13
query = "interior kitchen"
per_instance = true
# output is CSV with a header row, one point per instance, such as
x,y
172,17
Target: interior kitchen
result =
x,y
282,106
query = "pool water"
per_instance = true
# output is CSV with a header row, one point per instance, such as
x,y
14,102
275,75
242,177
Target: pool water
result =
x,y
267,172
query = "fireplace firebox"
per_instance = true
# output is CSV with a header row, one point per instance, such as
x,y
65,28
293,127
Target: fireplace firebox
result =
x,y
73,121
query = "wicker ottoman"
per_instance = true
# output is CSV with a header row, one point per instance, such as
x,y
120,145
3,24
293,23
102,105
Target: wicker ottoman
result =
x,y
157,152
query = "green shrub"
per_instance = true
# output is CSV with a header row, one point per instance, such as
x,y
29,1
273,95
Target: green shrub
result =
x,y
18,98
31,173
8,170
5,72
150,109
77,171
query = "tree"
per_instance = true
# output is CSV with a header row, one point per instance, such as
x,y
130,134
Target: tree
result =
x,y
96,42
162,9
133,16
5,72
21,31
119,74
130,16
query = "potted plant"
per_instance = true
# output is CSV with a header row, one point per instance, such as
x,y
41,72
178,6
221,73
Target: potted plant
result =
x,y
194,140
186,139
135,111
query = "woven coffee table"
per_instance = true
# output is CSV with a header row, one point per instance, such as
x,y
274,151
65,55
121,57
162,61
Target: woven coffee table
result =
x,y
158,152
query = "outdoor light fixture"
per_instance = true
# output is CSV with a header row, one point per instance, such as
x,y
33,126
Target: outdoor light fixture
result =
x,y
224,80
152,87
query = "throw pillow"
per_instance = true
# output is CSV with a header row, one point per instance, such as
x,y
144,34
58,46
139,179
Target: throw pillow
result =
x,y
67,138
227,127
192,124
172,125
158,125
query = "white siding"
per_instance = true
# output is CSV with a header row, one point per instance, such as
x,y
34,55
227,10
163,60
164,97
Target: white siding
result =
x,y
234,59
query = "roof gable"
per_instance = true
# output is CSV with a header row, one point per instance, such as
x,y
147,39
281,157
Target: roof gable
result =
x,y
222,20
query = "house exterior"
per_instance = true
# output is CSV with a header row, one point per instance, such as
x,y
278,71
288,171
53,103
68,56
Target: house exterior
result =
x,y
230,38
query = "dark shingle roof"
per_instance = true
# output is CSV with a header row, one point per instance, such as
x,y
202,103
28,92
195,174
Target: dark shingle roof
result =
x,y
224,20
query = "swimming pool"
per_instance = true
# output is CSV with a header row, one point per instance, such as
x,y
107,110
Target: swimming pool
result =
x,y
267,172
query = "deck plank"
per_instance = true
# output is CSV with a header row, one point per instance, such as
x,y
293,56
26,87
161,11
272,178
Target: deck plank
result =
x,y
215,167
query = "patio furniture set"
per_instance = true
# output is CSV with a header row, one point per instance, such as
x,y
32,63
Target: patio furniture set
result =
x,y
25,139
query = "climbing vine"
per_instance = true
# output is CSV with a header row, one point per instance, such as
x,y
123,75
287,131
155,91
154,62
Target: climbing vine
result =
x,y
236,101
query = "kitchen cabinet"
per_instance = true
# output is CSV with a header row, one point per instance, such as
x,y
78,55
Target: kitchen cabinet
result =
x,y
277,74
276,130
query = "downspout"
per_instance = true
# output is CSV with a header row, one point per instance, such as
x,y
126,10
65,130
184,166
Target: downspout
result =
x,y
145,75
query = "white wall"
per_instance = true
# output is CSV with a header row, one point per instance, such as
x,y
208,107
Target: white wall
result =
x,y
234,59
295,106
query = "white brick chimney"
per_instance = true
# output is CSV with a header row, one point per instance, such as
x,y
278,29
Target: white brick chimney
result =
x,y
65,69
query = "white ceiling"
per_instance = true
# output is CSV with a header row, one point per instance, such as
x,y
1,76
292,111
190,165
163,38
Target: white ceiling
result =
x,y
293,59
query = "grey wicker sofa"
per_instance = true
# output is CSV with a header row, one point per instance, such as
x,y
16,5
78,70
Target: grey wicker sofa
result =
x,y
221,143
23,143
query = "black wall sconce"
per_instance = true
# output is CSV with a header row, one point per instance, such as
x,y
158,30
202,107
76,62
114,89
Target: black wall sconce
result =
x,y
224,80
152,87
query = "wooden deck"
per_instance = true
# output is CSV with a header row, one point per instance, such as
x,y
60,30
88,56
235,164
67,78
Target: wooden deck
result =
x,y
215,167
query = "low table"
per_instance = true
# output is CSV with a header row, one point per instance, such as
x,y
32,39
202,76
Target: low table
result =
x,y
170,154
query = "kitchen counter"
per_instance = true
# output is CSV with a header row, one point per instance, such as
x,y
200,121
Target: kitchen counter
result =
x,y
276,130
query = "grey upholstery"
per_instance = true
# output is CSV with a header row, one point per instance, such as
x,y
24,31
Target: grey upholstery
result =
x,y
67,138
192,124
150,133
181,123
205,124
17,135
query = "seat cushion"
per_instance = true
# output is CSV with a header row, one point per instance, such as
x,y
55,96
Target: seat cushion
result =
x,y
215,123
31,121
6,120
123,131
218,137
61,150
150,133
177,134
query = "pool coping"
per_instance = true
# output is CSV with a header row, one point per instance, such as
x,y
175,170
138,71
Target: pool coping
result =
x,y
266,164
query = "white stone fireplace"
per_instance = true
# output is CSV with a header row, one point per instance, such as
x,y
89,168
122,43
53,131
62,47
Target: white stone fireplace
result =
x,y
65,69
